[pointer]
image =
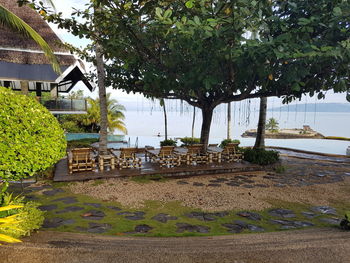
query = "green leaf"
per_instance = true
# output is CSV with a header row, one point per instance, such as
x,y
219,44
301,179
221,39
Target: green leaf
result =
x,y
167,13
159,12
295,87
189,4
197,20
337,11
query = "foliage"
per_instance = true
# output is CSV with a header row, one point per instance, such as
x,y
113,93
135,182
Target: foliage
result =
x,y
168,142
272,125
227,141
90,122
31,139
82,143
18,218
280,169
12,21
345,223
212,52
260,156
189,141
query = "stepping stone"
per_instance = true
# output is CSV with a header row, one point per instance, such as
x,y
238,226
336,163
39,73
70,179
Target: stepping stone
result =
x,y
261,185
289,224
250,215
248,181
324,210
96,205
133,215
39,188
98,228
222,179
206,216
245,225
182,227
214,185
309,215
233,228
57,222
70,209
182,182
53,192
163,218
48,207
93,215
332,221
233,184
197,184
143,228
279,212
66,200
247,186
115,208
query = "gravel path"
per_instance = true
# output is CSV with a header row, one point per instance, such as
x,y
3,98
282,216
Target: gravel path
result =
x,y
312,246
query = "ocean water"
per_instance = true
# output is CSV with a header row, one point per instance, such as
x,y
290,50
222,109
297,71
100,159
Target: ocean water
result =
x,y
145,125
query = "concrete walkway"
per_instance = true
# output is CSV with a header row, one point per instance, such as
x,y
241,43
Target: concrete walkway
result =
x,y
312,245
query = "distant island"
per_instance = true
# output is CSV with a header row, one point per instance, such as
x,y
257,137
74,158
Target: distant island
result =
x,y
305,133
319,107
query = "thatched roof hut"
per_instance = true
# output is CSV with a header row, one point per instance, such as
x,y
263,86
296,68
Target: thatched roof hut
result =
x,y
21,59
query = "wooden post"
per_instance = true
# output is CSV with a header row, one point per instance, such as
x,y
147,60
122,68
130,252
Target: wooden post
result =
x,y
53,90
229,120
38,87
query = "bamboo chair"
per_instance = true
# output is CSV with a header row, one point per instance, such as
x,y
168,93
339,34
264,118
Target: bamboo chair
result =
x,y
230,153
81,159
128,159
165,156
196,155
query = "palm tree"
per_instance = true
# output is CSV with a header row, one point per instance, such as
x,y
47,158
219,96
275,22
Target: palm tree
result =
x,y
162,104
115,115
272,125
10,20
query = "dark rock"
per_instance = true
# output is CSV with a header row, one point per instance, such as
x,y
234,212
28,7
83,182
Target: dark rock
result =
x,y
163,218
48,207
245,225
70,209
222,179
247,186
39,188
324,210
197,184
279,212
233,228
261,185
93,215
309,215
289,224
233,184
53,192
279,185
115,208
250,215
67,200
332,221
214,185
143,228
57,222
96,205
98,228
133,215
182,182
206,216
182,227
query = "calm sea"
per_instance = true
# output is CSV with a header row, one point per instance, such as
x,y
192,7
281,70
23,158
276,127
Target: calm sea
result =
x,y
146,125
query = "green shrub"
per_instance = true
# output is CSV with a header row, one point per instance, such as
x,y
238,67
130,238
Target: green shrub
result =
x,y
71,126
82,143
345,223
189,141
227,141
168,142
280,169
29,217
31,138
260,156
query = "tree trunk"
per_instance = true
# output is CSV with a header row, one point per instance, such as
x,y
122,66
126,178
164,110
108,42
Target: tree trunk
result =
x,y
193,120
229,120
103,100
260,135
207,115
25,87
165,121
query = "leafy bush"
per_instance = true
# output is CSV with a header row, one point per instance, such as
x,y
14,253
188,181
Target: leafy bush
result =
x,y
82,143
227,141
260,156
168,142
26,217
345,223
280,169
189,141
31,138
71,126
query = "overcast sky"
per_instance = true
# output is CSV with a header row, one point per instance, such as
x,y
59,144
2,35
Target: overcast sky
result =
x,y
66,7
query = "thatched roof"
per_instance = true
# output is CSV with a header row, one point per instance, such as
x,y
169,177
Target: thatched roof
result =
x,y
21,58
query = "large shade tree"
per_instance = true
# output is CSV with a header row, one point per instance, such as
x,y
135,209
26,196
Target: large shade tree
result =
x,y
201,51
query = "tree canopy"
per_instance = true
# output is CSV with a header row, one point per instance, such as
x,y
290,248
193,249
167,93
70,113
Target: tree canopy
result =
x,y
208,52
